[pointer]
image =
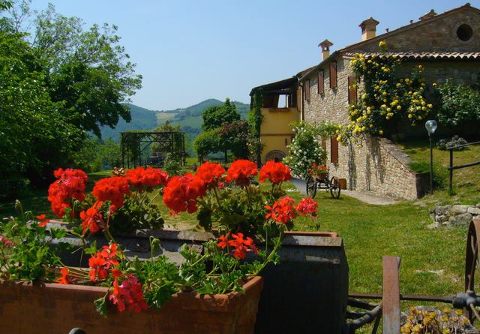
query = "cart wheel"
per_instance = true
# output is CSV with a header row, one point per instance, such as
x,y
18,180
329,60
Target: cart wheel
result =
x,y
334,187
471,259
311,186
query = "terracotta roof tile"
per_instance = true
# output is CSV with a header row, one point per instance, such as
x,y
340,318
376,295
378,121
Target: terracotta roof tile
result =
x,y
423,55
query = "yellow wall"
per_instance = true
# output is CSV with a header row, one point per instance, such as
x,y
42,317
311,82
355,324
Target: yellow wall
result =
x,y
276,130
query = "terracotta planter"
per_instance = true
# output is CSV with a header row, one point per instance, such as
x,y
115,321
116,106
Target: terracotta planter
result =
x,y
55,308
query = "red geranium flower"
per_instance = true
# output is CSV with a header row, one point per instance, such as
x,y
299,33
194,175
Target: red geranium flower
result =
x,y
92,219
210,173
146,178
6,242
239,244
42,220
128,295
103,261
283,210
241,172
307,206
63,279
276,172
70,185
181,193
112,189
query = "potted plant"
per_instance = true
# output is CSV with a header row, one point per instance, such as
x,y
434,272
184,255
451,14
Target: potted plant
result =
x,y
215,289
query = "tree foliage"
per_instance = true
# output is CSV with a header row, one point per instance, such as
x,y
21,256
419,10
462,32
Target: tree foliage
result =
x,y
88,70
34,135
223,132
214,117
460,104
56,85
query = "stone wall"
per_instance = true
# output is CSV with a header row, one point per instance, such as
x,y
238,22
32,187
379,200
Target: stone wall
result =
x,y
452,215
372,164
437,34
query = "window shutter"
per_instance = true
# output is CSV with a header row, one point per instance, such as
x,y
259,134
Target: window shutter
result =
x,y
307,90
352,90
333,74
334,150
321,83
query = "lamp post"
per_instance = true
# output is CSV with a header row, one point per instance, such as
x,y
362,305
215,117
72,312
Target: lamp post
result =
x,y
431,126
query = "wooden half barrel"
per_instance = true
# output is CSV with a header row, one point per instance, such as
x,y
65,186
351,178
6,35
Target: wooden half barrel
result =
x,y
307,291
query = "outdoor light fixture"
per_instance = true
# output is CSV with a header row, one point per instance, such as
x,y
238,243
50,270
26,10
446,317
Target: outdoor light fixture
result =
x,y
431,126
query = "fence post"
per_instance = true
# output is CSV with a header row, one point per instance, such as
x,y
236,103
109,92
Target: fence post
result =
x,y
391,295
450,169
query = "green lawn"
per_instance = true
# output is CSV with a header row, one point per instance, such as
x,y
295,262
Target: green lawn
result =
x,y
466,182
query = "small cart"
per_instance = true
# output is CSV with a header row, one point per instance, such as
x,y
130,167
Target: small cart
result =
x,y
322,181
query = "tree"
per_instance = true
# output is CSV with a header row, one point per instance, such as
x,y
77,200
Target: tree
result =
x,y
34,135
214,117
89,72
460,105
234,137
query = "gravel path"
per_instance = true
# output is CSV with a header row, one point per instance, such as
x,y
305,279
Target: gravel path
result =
x,y
363,196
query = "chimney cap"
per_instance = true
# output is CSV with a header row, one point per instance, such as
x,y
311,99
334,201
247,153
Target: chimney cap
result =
x,y
368,23
326,44
429,15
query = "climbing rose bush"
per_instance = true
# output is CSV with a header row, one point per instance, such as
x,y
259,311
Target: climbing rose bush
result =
x,y
387,97
305,150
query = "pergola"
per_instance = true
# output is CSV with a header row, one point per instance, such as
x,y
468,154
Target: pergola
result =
x,y
134,144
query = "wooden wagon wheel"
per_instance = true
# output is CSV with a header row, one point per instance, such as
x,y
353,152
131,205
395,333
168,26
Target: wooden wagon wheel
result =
x,y
311,186
471,259
335,187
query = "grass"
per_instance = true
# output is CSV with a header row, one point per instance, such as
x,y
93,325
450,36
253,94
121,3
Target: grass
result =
x,y
466,181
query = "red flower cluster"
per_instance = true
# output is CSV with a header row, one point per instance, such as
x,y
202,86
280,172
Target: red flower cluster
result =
x,y
240,244
103,261
112,189
128,295
70,185
6,242
63,279
210,173
307,206
146,178
181,193
318,170
92,219
283,210
276,172
42,220
241,172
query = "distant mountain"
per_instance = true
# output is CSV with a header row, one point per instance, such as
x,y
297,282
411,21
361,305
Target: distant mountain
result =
x,y
189,119
142,119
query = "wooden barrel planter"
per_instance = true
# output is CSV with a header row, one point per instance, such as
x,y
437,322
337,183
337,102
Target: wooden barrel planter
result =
x,y
56,309
307,291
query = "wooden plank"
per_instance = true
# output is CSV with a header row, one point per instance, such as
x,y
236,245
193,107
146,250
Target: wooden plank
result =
x,y
391,295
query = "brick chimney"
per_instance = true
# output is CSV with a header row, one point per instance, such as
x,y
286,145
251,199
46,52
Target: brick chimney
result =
x,y
429,15
369,28
325,45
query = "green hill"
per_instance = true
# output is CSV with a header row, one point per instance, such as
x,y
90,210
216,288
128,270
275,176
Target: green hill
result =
x,y
189,119
142,119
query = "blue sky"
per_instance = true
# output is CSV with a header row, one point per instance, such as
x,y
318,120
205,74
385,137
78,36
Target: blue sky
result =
x,y
191,50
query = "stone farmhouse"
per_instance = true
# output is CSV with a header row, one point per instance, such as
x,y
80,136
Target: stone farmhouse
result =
x,y
448,47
